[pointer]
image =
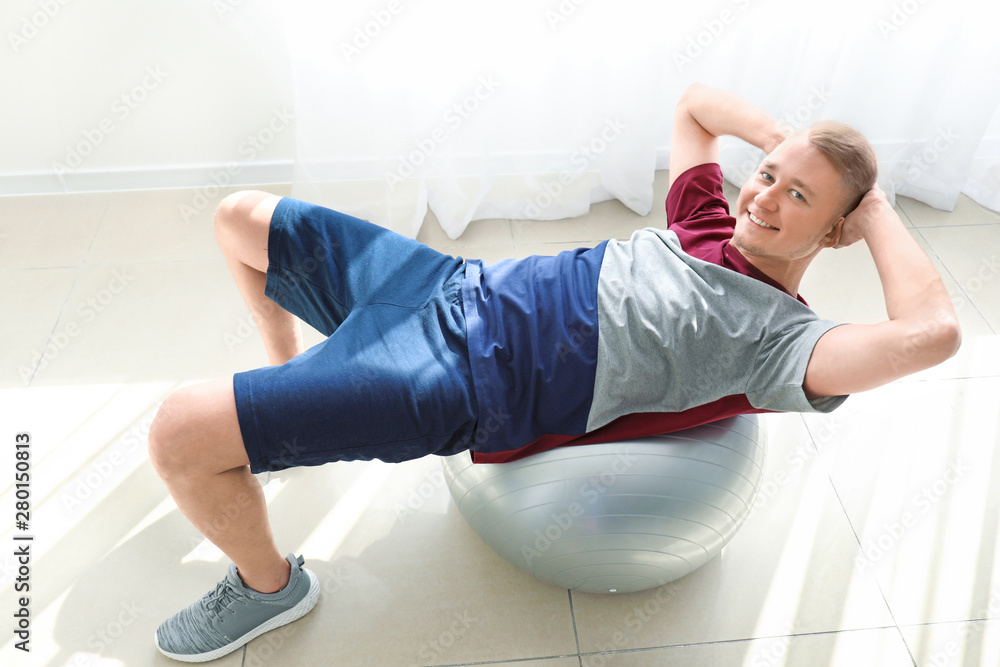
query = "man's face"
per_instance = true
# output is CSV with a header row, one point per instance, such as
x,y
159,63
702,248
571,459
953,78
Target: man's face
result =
x,y
796,193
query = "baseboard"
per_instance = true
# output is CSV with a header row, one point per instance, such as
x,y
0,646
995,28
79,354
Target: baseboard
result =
x,y
154,178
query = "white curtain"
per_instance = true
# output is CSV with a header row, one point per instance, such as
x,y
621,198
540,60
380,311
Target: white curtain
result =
x,y
534,110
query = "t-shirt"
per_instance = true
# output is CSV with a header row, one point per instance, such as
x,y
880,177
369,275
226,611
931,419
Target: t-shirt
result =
x,y
669,330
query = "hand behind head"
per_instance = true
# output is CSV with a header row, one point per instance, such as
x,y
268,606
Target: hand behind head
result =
x,y
872,205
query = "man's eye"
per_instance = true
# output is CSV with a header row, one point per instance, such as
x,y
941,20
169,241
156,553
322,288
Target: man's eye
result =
x,y
766,176
798,195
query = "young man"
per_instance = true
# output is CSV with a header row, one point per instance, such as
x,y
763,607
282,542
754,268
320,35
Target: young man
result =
x,y
427,354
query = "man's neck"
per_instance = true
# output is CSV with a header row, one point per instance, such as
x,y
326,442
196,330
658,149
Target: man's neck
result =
x,y
787,273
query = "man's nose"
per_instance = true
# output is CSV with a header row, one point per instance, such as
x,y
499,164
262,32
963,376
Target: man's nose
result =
x,y
766,200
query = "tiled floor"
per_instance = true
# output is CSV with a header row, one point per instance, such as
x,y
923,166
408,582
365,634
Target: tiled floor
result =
x,y
874,539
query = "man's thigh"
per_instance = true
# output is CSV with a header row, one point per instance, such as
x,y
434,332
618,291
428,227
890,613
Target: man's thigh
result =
x,y
391,384
323,264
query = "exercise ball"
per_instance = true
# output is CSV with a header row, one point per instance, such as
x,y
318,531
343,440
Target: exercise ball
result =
x,y
616,517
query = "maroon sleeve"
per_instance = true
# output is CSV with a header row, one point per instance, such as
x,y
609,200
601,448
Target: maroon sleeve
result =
x,y
697,211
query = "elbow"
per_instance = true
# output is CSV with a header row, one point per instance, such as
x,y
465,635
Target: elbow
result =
x,y
950,338
938,339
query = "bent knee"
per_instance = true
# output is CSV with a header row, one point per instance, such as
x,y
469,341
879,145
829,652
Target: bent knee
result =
x,y
242,225
196,432
166,440
236,209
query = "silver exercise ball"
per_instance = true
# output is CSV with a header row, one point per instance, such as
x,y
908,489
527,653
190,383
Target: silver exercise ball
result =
x,y
616,517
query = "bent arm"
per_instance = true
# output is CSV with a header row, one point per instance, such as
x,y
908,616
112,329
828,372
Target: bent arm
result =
x,y
703,114
922,329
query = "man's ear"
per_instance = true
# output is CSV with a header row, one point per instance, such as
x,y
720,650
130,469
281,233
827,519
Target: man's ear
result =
x,y
832,239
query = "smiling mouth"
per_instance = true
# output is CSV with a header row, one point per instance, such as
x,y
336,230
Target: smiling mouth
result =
x,y
760,223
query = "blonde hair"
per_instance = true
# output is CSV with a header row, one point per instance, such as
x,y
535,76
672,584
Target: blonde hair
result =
x,y
851,155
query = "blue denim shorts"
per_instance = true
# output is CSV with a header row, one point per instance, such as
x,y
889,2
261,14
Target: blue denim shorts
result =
x,y
392,379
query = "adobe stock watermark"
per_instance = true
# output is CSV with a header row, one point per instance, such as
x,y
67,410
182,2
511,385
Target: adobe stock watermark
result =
x,y
95,475
431,650
454,117
123,106
205,197
944,139
579,334
899,16
589,492
261,652
953,648
919,340
795,462
249,325
989,268
104,637
774,653
364,35
32,25
581,159
711,30
490,421
86,312
433,481
562,12
635,620
789,123
223,8
920,504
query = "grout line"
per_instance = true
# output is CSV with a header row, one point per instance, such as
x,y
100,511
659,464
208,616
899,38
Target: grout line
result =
x,y
952,225
951,275
48,339
576,634
97,231
509,661
878,584
797,635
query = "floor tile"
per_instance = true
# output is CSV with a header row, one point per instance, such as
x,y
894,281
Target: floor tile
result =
x,y
979,356
609,219
395,553
789,569
29,314
136,322
969,316
967,212
98,597
882,647
158,226
549,662
405,581
843,285
955,644
915,466
49,231
972,256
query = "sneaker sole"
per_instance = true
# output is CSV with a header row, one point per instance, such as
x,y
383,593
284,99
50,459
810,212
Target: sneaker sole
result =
x,y
304,606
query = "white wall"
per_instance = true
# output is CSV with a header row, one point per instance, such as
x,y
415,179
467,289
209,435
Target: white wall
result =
x,y
123,94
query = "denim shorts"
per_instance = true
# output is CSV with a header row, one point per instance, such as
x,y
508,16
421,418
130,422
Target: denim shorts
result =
x,y
392,379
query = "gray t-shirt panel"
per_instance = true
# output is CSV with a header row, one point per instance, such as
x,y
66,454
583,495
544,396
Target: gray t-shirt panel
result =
x,y
676,332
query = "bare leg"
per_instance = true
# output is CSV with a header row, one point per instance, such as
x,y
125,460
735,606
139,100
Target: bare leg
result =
x,y
242,222
197,449
195,442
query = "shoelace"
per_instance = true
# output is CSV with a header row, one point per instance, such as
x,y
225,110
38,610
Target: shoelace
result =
x,y
219,600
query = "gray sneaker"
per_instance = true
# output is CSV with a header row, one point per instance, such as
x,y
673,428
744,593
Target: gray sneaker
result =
x,y
232,615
